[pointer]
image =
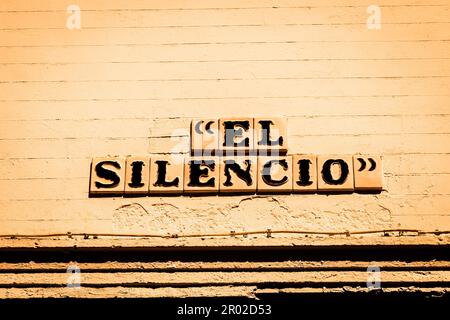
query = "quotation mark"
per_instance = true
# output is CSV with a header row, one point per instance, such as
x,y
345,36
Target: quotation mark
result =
x,y
373,164
208,126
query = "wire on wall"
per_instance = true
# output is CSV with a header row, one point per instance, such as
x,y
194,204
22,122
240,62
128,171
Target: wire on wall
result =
x,y
267,232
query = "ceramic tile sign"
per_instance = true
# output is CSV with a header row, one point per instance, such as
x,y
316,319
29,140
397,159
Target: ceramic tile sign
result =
x,y
204,137
137,175
238,174
201,175
236,156
271,136
368,173
107,176
336,173
166,175
275,174
304,173
236,136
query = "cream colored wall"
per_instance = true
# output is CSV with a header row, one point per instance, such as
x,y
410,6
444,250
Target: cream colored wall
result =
x,y
129,77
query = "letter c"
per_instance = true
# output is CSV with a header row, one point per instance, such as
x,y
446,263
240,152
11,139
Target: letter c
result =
x,y
266,173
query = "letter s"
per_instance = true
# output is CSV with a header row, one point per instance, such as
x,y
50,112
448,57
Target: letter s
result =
x,y
107,174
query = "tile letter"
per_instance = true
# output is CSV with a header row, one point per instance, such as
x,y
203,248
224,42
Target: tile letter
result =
x,y
335,173
238,174
107,176
201,175
304,173
166,175
236,135
137,175
368,171
275,174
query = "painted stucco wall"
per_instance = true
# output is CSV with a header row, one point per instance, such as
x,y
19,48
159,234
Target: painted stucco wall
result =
x,y
132,78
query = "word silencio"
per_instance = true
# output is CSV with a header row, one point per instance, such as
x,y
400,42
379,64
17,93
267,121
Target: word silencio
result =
x,y
236,156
